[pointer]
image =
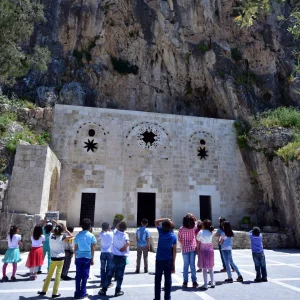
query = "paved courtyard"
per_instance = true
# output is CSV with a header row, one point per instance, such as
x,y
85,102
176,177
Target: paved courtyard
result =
x,y
283,268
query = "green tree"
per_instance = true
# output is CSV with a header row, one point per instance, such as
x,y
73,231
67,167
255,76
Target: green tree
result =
x,y
17,20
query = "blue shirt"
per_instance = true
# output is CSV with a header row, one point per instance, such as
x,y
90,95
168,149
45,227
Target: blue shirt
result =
x,y
106,238
219,231
84,239
120,239
142,234
166,241
256,243
227,242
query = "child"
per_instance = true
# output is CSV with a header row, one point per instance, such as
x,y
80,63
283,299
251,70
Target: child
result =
x,y
120,250
258,255
165,256
143,246
36,256
206,252
218,234
69,251
187,239
106,257
12,254
57,251
199,227
47,229
84,257
226,242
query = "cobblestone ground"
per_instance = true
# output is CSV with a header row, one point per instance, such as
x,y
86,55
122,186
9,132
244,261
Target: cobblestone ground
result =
x,y
283,268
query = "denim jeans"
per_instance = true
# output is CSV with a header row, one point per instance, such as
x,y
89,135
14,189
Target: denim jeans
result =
x,y
221,254
227,255
118,265
189,261
260,265
163,267
106,264
82,274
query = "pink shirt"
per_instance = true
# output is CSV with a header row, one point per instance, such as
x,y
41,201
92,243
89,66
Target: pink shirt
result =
x,y
187,238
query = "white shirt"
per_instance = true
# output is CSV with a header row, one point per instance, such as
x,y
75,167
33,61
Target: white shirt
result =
x,y
57,245
204,236
106,238
39,242
14,242
120,239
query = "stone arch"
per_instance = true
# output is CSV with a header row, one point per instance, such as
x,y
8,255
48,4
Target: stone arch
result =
x,y
53,192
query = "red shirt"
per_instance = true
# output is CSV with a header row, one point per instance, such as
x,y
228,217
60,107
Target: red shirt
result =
x,y
187,238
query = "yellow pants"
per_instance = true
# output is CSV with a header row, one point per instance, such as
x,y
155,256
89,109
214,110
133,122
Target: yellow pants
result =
x,y
54,264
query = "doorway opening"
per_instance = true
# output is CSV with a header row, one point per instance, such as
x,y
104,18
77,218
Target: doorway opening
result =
x,y
205,207
146,208
87,207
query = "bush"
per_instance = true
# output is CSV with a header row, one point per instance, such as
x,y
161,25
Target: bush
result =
x,y
119,216
5,120
123,66
246,220
203,48
290,152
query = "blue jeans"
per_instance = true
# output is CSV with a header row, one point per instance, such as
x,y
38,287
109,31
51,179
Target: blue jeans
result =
x,y
223,262
163,266
82,274
189,261
106,264
260,265
227,255
117,266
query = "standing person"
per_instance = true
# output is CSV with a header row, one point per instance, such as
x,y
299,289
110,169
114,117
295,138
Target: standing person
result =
x,y
12,254
206,256
85,243
69,251
143,246
218,235
35,257
106,258
47,229
199,227
57,251
258,255
187,239
120,250
226,241
165,256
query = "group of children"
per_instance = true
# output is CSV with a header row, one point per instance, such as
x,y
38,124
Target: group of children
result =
x,y
57,242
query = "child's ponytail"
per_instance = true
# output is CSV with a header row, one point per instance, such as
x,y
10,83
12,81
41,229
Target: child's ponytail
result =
x,y
12,231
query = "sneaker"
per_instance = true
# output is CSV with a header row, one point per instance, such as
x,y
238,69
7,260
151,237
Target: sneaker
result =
x,y
137,271
13,278
195,284
204,287
39,272
111,285
4,278
257,280
102,293
185,284
119,293
145,270
265,279
66,278
41,293
229,280
212,285
199,270
223,270
240,278
56,295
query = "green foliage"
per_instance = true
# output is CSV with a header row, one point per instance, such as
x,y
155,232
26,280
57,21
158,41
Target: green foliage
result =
x,y
119,216
247,78
5,120
246,220
3,177
294,19
282,116
17,20
203,48
123,67
291,151
236,54
242,130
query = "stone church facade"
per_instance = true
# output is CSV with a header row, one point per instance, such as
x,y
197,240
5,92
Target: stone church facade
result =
x,y
140,164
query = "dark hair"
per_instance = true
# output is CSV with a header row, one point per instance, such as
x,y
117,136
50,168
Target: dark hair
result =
x,y
59,229
255,231
199,224
122,226
227,229
86,224
188,221
105,226
166,225
221,220
70,228
48,228
12,230
116,221
144,221
208,225
37,232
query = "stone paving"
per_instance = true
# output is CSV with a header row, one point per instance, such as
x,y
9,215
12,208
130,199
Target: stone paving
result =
x,y
283,268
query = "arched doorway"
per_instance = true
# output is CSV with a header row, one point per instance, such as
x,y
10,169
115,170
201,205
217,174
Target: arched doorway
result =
x,y
52,204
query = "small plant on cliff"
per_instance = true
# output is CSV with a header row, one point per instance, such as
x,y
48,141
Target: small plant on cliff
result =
x,y
123,67
242,130
203,48
247,79
290,152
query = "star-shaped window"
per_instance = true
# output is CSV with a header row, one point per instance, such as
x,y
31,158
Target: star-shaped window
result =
x,y
90,145
148,137
202,153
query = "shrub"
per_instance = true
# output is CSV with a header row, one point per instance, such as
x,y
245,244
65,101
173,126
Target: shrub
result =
x,y
203,48
5,120
246,220
123,67
119,216
236,54
290,152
